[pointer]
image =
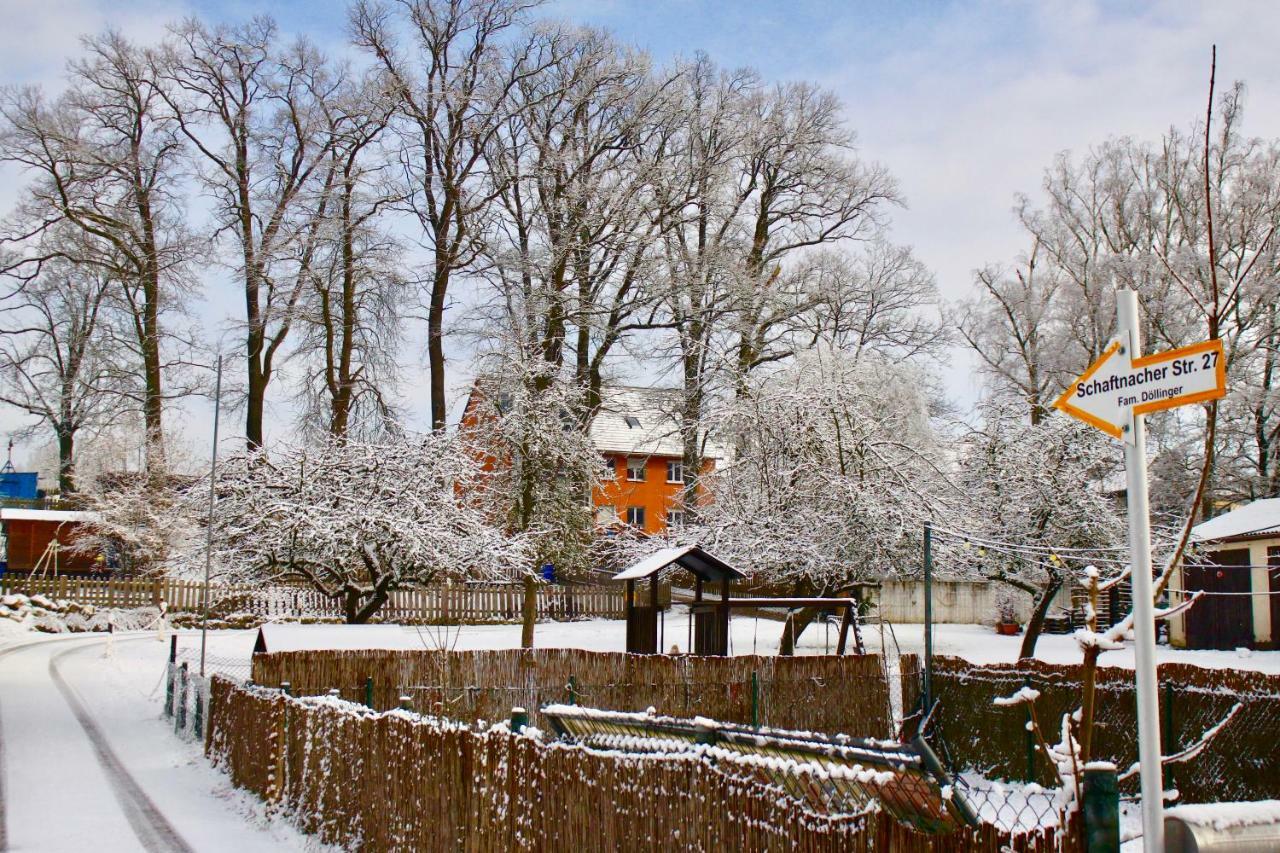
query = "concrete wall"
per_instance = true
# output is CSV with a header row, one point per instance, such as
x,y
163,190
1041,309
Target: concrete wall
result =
x,y
968,602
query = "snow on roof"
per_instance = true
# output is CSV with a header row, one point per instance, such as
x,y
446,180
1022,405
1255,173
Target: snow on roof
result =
x,y
1223,816
689,557
641,421
1260,518
58,515
302,638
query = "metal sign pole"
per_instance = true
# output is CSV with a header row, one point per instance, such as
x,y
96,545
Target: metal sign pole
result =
x,y
208,542
1144,626
928,618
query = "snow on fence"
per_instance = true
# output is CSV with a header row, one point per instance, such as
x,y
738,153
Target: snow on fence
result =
x,y
1241,763
453,604
835,694
397,781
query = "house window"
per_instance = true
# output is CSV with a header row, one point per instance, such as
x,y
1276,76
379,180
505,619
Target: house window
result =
x,y
675,519
635,517
675,471
635,470
610,468
632,422
606,516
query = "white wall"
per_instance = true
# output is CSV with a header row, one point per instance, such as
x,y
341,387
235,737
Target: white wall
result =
x,y
968,602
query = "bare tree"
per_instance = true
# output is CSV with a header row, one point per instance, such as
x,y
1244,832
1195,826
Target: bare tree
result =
x,y
352,308
456,85
107,160
255,112
57,363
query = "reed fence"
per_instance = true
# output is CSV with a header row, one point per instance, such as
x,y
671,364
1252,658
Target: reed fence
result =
x,y
398,781
838,694
436,604
1241,763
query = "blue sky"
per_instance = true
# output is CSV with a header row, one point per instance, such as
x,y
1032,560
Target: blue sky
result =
x,y
965,102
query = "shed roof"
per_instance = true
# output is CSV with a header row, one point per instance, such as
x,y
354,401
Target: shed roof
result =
x,y
56,515
688,557
1251,521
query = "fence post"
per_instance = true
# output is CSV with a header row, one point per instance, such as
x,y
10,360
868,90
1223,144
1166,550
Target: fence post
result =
x,y
197,720
755,699
1030,738
1170,739
1101,808
406,703
573,690
519,719
368,691
286,688
181,716
168,688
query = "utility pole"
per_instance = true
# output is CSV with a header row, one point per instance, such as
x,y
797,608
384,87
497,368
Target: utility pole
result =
x,y
208,540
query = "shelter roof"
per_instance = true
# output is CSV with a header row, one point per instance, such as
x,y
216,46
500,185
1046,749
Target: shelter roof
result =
x,y
688,557
1256,520
56,515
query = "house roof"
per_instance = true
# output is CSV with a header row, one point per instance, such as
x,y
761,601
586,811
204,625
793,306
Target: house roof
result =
x,y
1256,520
58,515
641,421
688,557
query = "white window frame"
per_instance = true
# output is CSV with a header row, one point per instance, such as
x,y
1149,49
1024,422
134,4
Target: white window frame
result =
x,y
643,465
631,521
610,468
606,515
677,464
675,519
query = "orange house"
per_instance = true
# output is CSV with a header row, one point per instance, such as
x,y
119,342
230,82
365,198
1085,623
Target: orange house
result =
x,y
638,437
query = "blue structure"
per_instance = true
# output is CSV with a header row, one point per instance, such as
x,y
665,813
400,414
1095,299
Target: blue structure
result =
x,y
17,484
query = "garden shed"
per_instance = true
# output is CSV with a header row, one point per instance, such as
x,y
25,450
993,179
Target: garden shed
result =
x,y
29,534
1239,573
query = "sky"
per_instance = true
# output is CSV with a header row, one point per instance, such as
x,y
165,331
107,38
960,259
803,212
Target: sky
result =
x,y
966,103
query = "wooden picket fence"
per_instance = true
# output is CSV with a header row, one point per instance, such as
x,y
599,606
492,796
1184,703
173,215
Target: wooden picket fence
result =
x,y
835,693
397,781
436,604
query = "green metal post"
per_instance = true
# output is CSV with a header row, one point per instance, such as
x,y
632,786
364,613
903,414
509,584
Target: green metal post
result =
x,y
928,617
1101,809
368,692
1166,730
573,690
286,688
181,715
519,719
1030,738
197,720
755,699
168,690
406,703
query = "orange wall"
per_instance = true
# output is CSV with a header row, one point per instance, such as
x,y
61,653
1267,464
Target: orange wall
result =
x,y
655,494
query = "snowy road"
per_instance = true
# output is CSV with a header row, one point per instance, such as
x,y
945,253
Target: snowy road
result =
x,y
87,761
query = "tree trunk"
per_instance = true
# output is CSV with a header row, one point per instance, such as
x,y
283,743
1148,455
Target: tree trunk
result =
x,y
1036,623
529,612
66,462
435,350
255,398
358,613
794,626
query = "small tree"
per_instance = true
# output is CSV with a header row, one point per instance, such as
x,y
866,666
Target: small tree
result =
x,y
356,520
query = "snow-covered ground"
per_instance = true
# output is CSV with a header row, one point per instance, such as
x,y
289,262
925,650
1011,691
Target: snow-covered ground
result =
x,y
136,786
140,787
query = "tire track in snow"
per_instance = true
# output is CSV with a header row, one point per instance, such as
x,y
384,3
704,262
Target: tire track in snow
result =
x,y
154,832
4,825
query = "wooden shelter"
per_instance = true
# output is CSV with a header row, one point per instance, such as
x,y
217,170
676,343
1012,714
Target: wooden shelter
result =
x,y
711,615
711,626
